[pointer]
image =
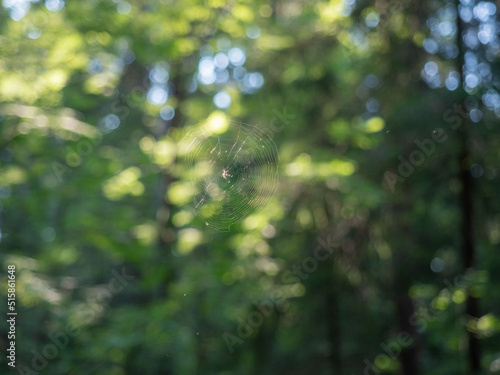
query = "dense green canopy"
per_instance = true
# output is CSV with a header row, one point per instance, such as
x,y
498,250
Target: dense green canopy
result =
x,y
250,187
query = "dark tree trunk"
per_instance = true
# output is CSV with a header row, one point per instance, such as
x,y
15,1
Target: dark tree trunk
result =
x,y
472,304
333,326
409,356
467,209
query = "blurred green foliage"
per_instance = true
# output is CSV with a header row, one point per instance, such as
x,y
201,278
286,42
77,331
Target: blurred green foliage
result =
x,y
95,98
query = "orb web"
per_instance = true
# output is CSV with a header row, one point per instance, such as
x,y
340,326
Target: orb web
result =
x,y
235,174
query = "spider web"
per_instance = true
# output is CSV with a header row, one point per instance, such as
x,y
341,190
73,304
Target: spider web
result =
x,y
235,174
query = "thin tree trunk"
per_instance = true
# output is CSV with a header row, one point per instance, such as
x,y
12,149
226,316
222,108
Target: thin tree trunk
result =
x,y
467,208
332,295
403,262
333,327
410,355
472,304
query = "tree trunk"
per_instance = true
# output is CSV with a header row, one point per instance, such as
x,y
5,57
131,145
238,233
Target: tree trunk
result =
x,y
467,209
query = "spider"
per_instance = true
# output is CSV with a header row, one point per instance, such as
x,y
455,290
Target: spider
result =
x,y
225,173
